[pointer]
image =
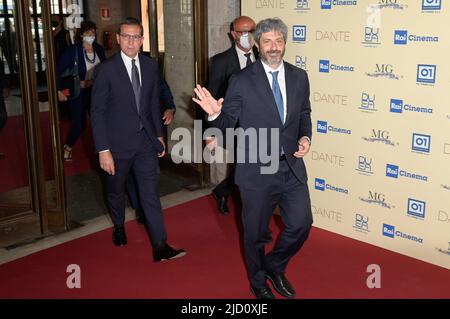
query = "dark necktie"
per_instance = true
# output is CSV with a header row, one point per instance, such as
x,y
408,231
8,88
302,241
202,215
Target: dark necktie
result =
x,y
136,83
277,95
249,60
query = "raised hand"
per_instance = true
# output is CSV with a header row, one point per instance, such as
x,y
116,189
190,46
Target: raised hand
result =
x,y
207,102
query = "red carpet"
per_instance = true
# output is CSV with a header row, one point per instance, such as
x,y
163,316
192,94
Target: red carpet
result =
x,y
329,266
14,166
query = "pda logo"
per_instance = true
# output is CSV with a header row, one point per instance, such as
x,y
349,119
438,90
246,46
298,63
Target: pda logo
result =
x,y
365,165
362,223
302,6
301,62
426,73
299,33
431,5
421,143
380,136
368,103
383,70
416,208
372,37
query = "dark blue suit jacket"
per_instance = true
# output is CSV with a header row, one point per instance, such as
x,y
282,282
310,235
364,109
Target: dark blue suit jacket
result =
x,y
114,116
250,101
68,59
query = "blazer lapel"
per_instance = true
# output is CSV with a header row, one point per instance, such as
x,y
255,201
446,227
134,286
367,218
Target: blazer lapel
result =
x,y
262,83
125,78
290,90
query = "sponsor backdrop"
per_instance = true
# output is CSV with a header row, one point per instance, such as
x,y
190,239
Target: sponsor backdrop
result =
x,y
380,75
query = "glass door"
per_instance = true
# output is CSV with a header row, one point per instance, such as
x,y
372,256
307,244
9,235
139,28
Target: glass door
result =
x,y
31,179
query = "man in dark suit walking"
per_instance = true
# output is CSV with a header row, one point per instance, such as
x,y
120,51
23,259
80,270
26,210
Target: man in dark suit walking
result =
x,y
273,96
128,134
223,65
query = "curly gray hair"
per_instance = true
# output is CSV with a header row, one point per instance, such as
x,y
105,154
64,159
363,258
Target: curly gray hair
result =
x,y
271,24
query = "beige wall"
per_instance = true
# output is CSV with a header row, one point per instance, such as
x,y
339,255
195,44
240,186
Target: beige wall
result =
x,y
220,15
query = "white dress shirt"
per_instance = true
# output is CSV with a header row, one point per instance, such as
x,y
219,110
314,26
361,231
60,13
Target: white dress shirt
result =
x,y
281,82
128,64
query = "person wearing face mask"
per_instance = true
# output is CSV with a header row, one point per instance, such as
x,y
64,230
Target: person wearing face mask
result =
x,y
242,53
87,54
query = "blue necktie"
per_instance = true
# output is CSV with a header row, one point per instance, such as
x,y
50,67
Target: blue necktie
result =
x,y
277,95
136,83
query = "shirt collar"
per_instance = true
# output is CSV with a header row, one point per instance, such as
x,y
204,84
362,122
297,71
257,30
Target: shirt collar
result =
x,y
268,69
127,59
241,52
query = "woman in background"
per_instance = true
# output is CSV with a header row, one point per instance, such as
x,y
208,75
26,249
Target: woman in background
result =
x,y
89,54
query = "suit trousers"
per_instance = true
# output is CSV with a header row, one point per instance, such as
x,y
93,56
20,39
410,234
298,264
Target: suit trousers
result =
x,y
258,205
144,166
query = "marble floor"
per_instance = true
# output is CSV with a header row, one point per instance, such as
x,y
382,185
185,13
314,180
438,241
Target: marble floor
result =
x,y
94,225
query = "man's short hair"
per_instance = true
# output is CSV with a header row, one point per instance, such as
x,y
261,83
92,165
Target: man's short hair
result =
x,y
131,21
271,24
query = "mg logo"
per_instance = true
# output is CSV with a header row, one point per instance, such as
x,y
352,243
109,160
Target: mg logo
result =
x,y
396,106
379,134
421,143
320,184
384,68
299,33
416,208
426,73
377,197
432,5
392,171
401,37
322,127
326,4
388,231
324,66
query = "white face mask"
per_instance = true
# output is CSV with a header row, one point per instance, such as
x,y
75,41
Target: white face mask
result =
x,y
245,40
89,40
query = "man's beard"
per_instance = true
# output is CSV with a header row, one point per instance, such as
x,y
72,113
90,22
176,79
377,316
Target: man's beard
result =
x,y
273,60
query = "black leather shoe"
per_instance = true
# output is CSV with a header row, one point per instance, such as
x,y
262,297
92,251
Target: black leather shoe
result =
x,y
119,236
166,253
281,284
140,218
262,293
221,203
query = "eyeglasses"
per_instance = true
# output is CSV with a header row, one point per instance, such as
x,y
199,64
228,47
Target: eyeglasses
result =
x,y
242,32
135,37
